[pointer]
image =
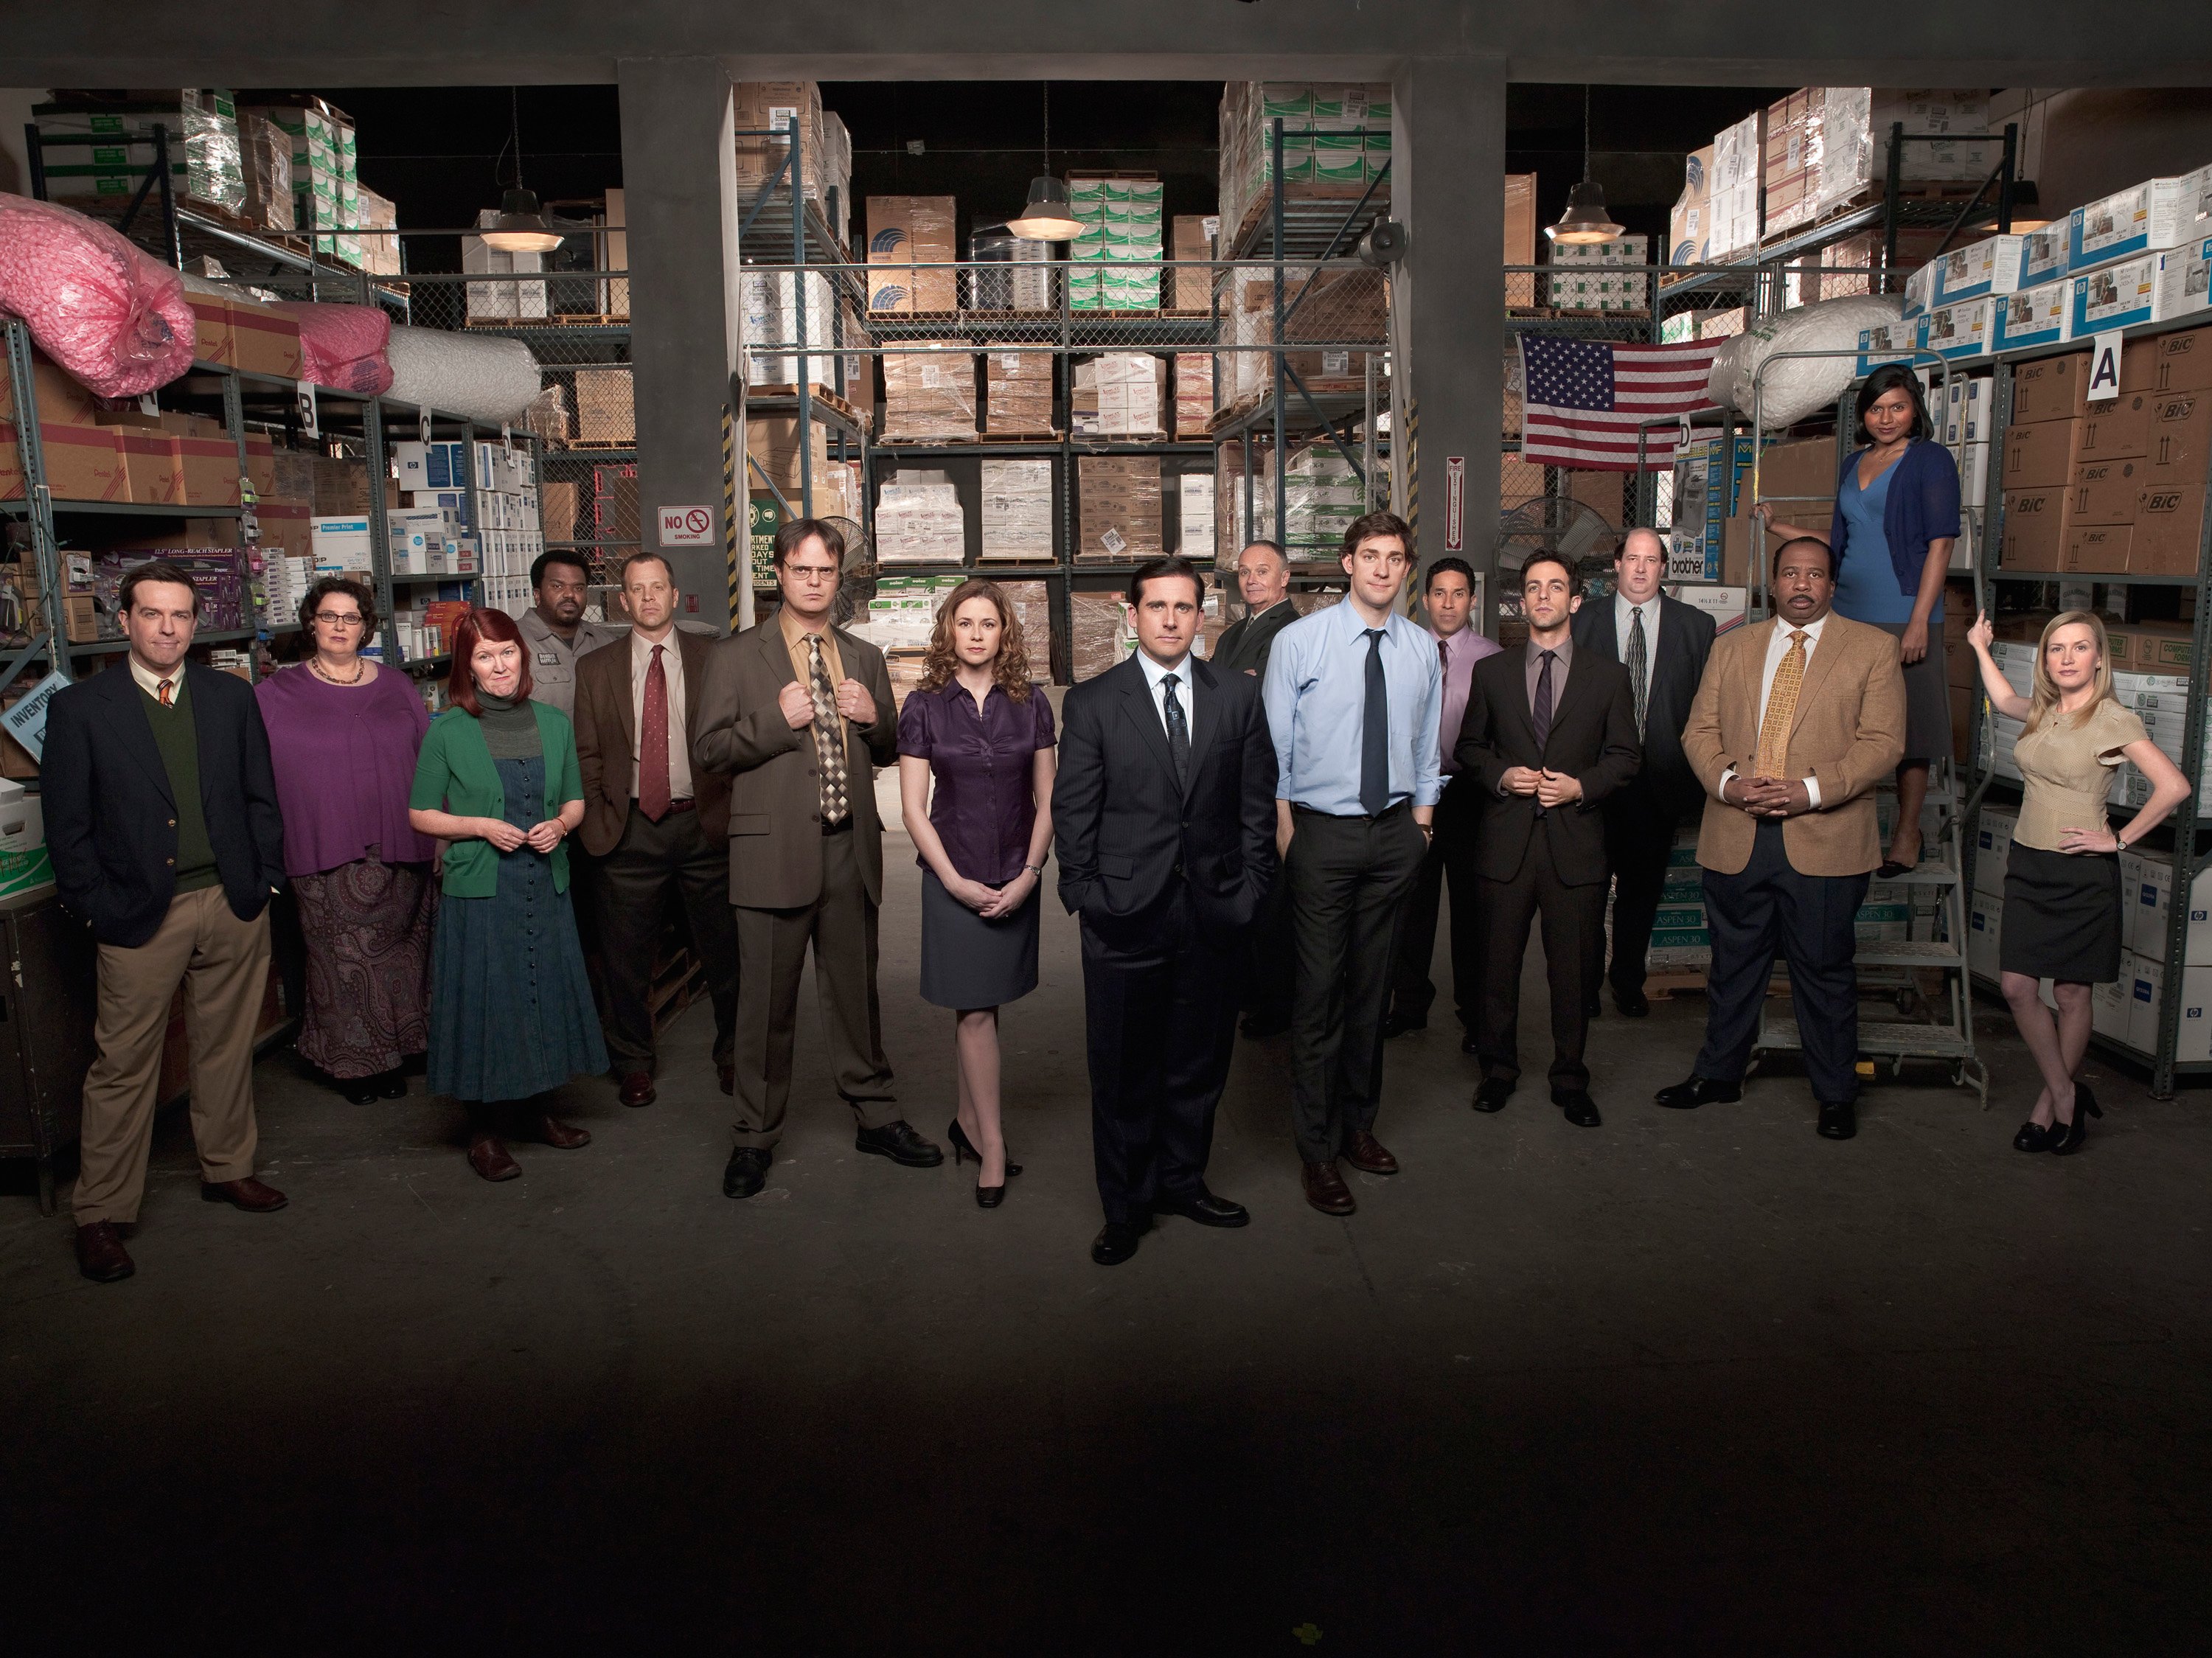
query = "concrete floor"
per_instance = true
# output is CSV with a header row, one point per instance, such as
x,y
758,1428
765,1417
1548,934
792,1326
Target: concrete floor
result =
x,y
1692,1382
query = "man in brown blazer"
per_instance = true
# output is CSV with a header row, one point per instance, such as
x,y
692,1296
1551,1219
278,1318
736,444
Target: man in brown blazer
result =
x,y
657,827
1795,723
799,714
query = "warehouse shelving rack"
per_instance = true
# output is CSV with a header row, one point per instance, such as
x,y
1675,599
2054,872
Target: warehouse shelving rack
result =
x,y
2191,829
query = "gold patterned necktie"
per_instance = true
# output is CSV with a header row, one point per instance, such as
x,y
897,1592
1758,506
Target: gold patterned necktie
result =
x,y
1781,709
828,734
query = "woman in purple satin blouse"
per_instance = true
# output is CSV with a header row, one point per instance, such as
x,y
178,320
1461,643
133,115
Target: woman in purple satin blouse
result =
x,y
343,735
978,728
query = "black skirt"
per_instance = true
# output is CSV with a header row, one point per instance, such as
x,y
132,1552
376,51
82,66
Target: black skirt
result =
x,y
2062,916
1927,698
968,961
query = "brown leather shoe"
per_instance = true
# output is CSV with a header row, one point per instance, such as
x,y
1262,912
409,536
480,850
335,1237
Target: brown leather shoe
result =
x,y
249,1194
1326,1190
1369,1155
637,1088
562,1136
100,1255
727,1075
490,1157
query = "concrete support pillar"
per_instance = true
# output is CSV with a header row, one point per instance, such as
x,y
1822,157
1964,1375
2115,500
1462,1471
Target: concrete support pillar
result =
x,y
679,187
1449,325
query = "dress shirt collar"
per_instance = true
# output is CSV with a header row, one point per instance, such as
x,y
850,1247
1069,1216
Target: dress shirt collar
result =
x,y
641,649
1783,628
150,682
794,630
1355,626
1563,652
1623,610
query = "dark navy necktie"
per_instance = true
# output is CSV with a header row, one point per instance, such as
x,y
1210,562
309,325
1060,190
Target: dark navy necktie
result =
x,y
1178,732
1374,732
1543,712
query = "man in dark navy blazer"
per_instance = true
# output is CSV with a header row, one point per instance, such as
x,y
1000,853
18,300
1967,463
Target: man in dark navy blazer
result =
x,y
1641,626
1164,817
163,825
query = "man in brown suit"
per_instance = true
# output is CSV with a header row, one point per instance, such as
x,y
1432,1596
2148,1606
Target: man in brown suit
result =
x,y
658,827
1795,722
800,714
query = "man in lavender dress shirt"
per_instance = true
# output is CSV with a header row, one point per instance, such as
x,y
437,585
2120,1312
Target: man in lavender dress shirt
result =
x,y
1449,595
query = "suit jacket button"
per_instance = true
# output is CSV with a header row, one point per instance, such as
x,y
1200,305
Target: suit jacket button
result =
x,y
171,862
173,823
1178,869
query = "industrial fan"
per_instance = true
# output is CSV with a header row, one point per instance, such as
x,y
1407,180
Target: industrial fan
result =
x,y
857,584
1550,523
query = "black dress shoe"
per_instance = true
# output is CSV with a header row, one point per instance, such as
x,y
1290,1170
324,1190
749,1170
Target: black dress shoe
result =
x,y
1838,1122
360,1090
898,1142
1632,1003
1594,1008
1493,1094
1697,1091
1205,1208
1580,1110
1397,1024
392,1084
1468,1045
748,1171
1117,1240
2032,1137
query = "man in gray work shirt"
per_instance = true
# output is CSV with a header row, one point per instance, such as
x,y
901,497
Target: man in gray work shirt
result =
x,y
554,630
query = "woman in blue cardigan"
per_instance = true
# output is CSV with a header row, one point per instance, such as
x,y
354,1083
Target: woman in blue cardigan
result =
x,y
1896,519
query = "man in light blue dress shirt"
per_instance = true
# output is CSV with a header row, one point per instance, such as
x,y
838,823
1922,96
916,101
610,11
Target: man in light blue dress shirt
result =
x,y
1353,693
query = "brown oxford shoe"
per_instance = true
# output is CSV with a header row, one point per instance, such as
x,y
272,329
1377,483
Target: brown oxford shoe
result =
x,y
248,1194
727,1074
1326,1190
562,1136
490,1157
100,1255
637,1088
1369,1155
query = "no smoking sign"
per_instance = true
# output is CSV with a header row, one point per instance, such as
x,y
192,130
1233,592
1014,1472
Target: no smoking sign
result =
x,y
687,526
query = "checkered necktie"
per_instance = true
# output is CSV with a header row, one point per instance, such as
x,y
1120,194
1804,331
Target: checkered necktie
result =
x,y
1781,709
828,734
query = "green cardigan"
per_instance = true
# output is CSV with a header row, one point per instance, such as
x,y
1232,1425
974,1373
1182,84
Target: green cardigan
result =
x,y
455,773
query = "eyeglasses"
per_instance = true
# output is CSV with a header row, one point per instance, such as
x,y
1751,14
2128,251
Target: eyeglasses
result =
x,y
338,618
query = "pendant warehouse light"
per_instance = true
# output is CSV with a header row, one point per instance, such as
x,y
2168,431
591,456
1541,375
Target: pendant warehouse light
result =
x,y
1585,220
522,227
1048,217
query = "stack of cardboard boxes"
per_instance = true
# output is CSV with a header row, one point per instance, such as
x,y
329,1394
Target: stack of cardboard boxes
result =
x,y
107,147
1017,393
919,520
764,110
1336,143
1017,514
929,395
1689,226
1122,394
2117,486
1118,504
1193,245
911,250
1588,277
1117,251
1193,393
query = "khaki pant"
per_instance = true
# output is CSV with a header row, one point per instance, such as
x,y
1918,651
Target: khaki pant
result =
x,y
223,963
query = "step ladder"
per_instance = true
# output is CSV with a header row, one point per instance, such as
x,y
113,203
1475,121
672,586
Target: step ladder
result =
x,y
1935,941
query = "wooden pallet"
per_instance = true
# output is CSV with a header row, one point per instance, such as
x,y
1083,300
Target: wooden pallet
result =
x,y
1050,434
820,394
887,440
1865,196
562,320
600,443
1120,437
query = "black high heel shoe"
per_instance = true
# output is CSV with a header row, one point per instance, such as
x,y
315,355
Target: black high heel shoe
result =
x,y
2066,1138
2032,1137
987,1196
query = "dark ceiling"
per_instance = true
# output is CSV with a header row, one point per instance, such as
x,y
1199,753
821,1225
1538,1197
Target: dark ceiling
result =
x,y
443,153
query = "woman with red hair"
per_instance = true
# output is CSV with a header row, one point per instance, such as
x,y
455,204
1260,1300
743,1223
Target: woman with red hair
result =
x,y
511,1010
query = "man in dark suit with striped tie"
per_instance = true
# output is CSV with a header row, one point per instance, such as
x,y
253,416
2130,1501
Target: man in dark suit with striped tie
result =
x,y
1663,644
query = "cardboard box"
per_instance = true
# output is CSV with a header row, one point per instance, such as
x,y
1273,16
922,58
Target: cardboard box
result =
x,y
2169,530
1520,220
61,401
904,233
151,466
1961,329
2184,281
211,337
606,406
2052,388
83,463
771,107
2143,218
1988,267
2033,316
265,341
1193,234
209,460
2178,362
2096,550
284,526
2104,493
2177,437
2042,454
2036,525
2117,296
2117,427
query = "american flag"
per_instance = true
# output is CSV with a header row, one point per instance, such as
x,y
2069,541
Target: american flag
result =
x,y
1581,399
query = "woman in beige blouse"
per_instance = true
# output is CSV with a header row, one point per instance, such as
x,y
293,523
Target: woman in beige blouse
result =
x,y
2062,891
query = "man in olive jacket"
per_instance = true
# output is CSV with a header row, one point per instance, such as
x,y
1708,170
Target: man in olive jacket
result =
x,y
799,714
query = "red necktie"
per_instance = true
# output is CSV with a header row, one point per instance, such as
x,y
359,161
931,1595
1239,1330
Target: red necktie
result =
x,y
652,743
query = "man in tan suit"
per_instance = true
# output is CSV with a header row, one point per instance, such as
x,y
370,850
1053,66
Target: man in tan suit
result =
x,y
657,827
800,714
1795,722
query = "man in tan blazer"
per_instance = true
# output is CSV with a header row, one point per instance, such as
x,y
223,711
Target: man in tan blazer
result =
x,y
1795,722
799,714
656,826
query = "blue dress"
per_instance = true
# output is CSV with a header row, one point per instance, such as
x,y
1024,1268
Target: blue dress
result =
x,y
1867,590
512,1013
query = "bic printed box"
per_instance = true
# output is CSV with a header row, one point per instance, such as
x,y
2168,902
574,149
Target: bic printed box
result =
x,y
2117,296
2052,388
2104,492
2169,532
2042,454
2178,362
2117,428
2036,524
2155,213
2177,434
2034,316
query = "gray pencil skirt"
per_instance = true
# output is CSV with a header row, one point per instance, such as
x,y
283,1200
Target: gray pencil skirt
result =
x,y
968,961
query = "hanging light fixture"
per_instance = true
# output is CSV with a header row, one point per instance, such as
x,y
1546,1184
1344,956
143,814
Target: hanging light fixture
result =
x,y
1585,220
1048,217
522,227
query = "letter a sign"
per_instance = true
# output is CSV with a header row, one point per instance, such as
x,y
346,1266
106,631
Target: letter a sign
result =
x,y
2104,367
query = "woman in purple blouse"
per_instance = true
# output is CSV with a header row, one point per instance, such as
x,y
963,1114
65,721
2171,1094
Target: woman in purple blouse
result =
x,y
343,735
978,728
